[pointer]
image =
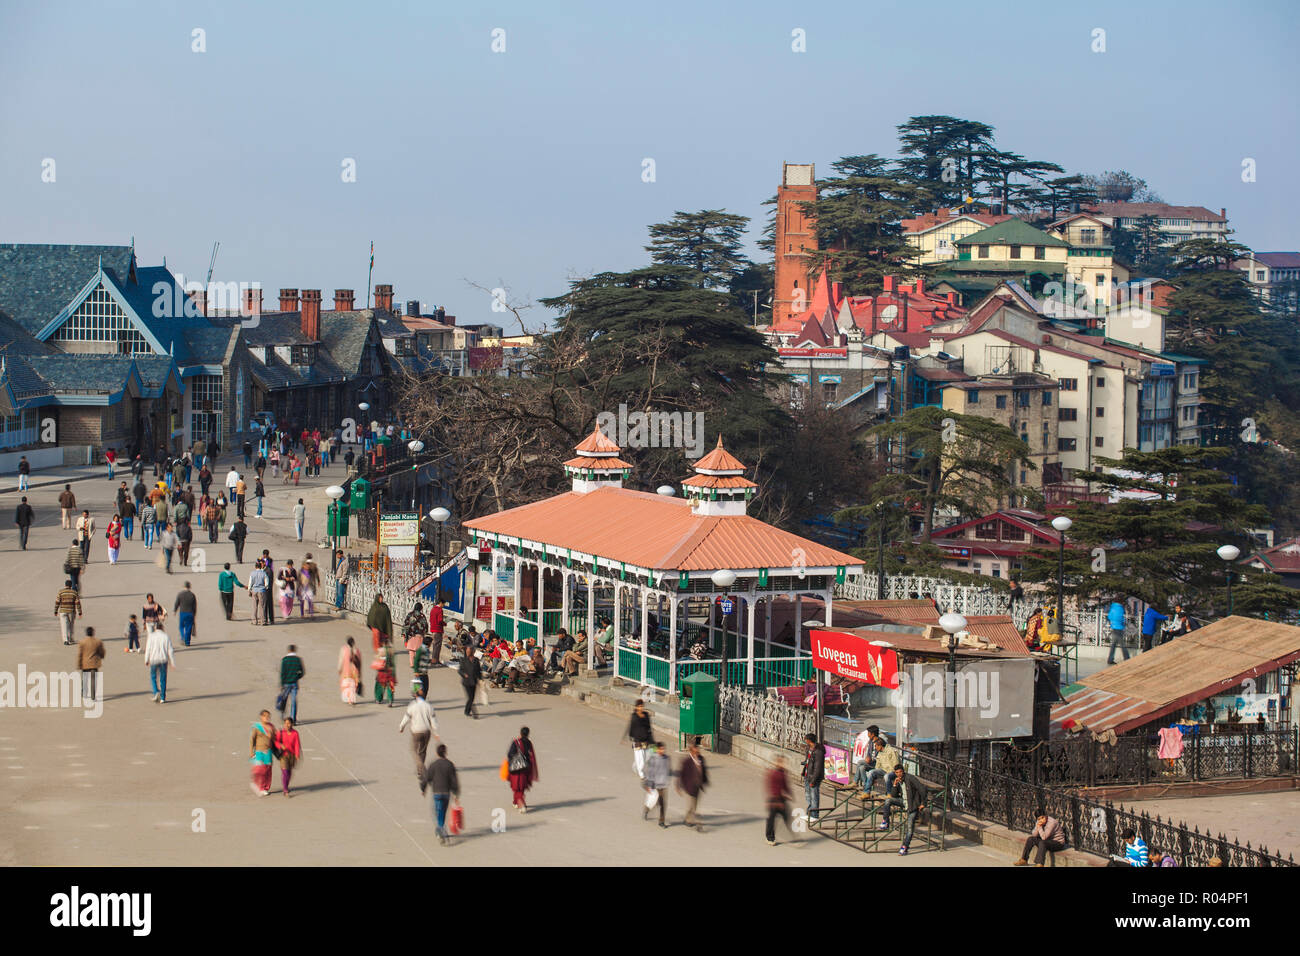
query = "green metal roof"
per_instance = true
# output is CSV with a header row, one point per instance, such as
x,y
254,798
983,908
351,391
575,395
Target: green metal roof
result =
x,y
1012,232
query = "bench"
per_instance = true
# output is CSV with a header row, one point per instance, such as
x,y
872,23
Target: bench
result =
x,y
805,695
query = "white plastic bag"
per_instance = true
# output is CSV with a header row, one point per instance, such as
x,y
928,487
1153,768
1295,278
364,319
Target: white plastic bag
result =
x,y
651,799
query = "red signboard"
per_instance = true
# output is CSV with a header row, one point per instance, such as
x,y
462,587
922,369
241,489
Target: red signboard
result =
x,y
483,607
485,358
813,353
852,657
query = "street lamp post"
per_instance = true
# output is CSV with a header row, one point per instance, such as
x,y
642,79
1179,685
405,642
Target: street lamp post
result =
x,y
1062,524
880,551
334,493
722,580
439,516
1229,553
414,447
952,623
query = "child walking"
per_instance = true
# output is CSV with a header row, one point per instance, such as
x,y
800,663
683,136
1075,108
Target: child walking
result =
x,y
132,635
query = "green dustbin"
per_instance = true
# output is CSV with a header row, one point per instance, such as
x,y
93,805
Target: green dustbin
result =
x,y
337,519
697,712
360,495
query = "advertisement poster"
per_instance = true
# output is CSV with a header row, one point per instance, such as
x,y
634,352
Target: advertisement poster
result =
x,y
837,765
400,530
853,658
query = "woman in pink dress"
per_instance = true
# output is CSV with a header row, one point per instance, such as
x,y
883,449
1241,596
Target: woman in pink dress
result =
x,y
349,671
114,535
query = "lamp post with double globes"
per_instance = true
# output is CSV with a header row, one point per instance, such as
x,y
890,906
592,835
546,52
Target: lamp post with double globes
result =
x,y
334,493
953,623
415,446
1229,553
723,580
439,516
1062,524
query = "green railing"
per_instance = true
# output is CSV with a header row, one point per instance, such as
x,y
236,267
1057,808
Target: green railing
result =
x,y
511,629
656,672
629,666
770,672
736,670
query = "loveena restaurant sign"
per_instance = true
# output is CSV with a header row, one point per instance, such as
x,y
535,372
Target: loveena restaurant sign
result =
x,y
853,658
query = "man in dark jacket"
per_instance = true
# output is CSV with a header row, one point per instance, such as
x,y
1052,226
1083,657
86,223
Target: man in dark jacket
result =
x,y
638,730
24,516
185,537
238,534
562,643
692,778
186,607
138,492
814,772
291,671
909,794
441,778
470,674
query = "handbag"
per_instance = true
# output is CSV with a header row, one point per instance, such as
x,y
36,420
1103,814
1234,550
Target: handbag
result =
x,y
457,822
282,698
519,762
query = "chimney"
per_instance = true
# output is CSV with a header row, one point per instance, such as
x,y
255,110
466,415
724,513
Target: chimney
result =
x,y
413,307
1223,212
288,300
442,316
343,300
310,316
384,297
952,298
200,297
252,304
889,283
919,285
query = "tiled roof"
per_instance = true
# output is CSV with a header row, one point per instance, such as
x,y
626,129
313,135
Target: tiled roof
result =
x,y
106,374
650,531
1136,210
719,460
1012,232
597,443
1279,260
929,220
718,481
38,280
598,463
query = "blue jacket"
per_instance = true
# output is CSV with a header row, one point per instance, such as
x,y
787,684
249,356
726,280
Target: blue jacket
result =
x,y
1149,621
1116,616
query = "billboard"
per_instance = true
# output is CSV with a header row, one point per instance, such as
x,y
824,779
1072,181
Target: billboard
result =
x,y
399,530
993,698
854,658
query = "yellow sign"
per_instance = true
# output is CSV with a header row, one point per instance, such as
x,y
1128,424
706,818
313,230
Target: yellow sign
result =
x,y
399,529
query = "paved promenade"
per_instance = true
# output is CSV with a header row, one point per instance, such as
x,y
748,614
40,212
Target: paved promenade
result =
x,y
167,784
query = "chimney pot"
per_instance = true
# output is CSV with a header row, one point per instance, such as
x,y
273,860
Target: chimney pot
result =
x,y
920,285
252,304
889,283
200,297
343,299
288,300
310,316
384,297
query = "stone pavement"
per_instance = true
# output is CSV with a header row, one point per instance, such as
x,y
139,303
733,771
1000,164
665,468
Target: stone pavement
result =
x,y
167,784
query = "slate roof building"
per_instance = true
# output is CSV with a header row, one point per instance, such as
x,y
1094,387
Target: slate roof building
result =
x,y
113,353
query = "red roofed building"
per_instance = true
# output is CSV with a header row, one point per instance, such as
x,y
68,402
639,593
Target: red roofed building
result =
x,y
641,558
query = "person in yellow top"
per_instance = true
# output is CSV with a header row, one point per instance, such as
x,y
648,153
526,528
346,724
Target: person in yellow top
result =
x,y
241,495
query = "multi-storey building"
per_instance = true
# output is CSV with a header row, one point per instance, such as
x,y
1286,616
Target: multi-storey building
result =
x,y
1274,276
1175,223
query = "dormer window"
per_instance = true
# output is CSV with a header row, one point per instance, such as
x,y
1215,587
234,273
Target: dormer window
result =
x,y
302,355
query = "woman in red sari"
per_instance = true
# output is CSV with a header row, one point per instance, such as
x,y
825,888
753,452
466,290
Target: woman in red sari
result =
x,y
521,766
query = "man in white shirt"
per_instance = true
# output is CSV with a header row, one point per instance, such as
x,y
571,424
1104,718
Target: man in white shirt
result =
x,y
158,655
232,480
420,718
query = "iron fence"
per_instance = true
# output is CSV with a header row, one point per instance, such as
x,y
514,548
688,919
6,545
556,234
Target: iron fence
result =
x,y
1091,826
752,713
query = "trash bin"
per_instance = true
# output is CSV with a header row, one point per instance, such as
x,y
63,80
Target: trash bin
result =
x,y
697,712
360,500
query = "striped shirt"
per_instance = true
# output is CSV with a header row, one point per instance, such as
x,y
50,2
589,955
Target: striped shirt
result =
x,y
68,602
1136,852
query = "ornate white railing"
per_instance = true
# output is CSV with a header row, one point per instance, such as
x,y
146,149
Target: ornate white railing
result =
x,y
765,718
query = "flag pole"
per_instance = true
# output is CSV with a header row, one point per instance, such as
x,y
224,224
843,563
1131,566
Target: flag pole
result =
x,y
371,272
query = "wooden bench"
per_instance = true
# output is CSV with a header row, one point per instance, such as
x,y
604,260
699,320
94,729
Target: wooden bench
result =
x,y
805,695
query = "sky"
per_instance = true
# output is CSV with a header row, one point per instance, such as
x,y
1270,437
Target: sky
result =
x,y
524,167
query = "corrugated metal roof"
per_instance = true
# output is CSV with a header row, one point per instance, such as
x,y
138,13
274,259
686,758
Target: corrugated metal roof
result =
x,y
651,531
1184,671
999,629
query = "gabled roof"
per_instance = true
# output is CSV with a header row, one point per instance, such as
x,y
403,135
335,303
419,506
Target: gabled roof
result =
x,y
943,217
345,335
1279,260
1012,232
37,280
1025,520
1284,558
1136,210
597,444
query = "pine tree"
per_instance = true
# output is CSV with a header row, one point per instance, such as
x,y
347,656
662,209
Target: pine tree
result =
x,y
708,242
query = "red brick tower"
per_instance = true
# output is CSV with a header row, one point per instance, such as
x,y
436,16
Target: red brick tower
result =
x,y
796,235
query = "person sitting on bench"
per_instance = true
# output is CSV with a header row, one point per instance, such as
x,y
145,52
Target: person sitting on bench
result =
x,y
576,658
887,758
1047,835
866,746
563,644
908,794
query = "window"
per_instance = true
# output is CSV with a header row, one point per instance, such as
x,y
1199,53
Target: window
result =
x,y
1009,531
1189,381
1024,476
1189,414
1259,275
1101,279
1101,411
99,319
1067,414
1099,442
1047,432
987,531
984,251
828,391
302,356
1015,252
1047,398
1040,252
1067,444
1001,401
1099,382
979,567
205,407
997,570
1069,384
972,396
1088,237
1022,398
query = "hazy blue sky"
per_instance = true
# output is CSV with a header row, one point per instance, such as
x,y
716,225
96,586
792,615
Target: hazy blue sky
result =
x,y
523,168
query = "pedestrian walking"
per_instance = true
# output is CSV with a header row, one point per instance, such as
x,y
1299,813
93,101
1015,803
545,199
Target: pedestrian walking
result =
x,y
289,747
170,542
380,621
75,564
110,457
349,671
24,473
441,778
1151,619
288,585
205,479
114,535
292,670
521,768
776,786
641,735
90,657
437,625
248,454
308,582
186,607
299,517
814,772
420,718
232,479
67,608
153,614
162,512
414,630
132,635
241,496
227,581
158,657
67,504
658,775
85,532
261,746
258,584
692,778
471,672
148,523
1115,615
211,519
385,669
269,605
421,663
24,518
259,492
239,534
184,538
127,511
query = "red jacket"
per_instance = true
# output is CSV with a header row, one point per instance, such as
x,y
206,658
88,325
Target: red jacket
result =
x,y
777,785
436,621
